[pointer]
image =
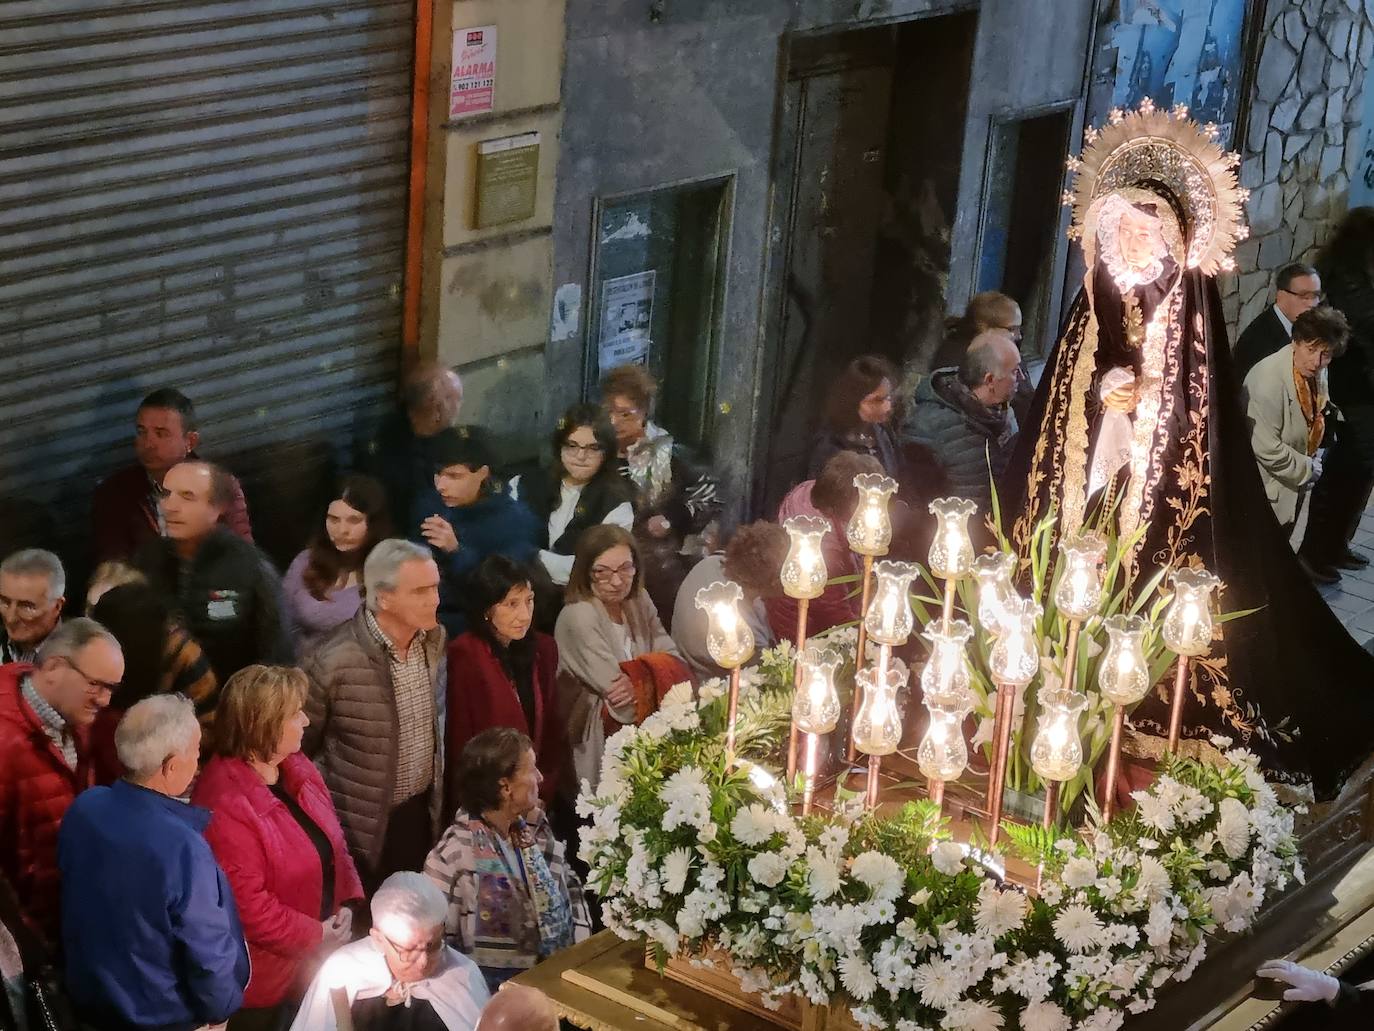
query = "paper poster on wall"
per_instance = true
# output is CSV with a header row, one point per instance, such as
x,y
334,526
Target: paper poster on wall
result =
x,y
627,311
473,90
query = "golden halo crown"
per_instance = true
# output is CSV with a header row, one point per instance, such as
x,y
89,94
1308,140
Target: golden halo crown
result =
x,y
1149,146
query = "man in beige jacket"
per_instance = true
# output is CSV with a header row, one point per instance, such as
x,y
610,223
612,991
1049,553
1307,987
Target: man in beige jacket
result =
x,y
1286,403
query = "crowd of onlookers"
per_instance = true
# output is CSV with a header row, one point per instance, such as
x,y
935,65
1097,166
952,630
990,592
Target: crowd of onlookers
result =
x,y
405,716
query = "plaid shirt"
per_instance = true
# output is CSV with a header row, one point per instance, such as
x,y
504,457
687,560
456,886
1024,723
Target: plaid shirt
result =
x,y
415,713
53,724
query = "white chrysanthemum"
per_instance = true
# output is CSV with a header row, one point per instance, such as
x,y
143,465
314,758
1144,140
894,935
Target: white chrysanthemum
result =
x,y
879,873
823,876
1078,928
1051,892
677,864
833,840
1079,872
938,983
999,912
687,798
1109,887
1102,1019
1193,806
1233,827
857,976
867,1017
754,824
1153,813
1153,881
1159,926
948,857
768,869
1044,1016
969,1015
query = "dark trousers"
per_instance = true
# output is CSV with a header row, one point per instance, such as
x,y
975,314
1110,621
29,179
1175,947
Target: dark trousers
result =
x,y
269,1018
409,837
1338,501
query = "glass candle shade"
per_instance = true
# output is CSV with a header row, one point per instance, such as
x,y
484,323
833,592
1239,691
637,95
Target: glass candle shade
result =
x,y
1188,623
1057,751
729,640
1079,594
803,570
995,590
878,725
943,755
945,674
870,529
951,551
1123,675
1015,657
889,618
816,704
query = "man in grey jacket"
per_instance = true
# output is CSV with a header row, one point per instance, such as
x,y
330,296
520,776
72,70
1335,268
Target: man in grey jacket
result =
x,y
376,709
962,415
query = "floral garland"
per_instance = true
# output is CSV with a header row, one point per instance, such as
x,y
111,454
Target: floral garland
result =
x,y
891,917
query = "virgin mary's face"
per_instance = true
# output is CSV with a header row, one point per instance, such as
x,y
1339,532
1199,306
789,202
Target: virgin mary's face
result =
x,y
1138,238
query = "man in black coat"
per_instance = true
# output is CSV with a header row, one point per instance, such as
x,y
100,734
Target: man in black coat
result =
x,y
223,589
1298,288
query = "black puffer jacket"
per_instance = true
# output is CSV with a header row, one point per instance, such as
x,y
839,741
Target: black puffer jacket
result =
x,y
965,435
228,597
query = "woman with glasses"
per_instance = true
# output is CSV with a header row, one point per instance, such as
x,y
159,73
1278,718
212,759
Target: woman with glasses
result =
x,y
502,672
858,416
584,488
277,837
608,620
512,899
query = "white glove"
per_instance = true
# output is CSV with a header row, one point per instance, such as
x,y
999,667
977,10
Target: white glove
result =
x,y
1316,468
1308,985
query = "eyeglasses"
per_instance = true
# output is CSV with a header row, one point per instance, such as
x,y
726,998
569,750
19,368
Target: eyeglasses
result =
x,y
26,609
414,952
581,450
622,414
1314,296
602,575
92,685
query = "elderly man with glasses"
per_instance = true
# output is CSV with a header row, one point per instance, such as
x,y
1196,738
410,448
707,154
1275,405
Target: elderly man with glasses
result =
x,y
33,590
402,977
1297,288
45,713
150,930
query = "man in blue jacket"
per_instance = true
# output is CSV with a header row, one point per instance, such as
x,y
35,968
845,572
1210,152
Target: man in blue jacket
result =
x,y
149,926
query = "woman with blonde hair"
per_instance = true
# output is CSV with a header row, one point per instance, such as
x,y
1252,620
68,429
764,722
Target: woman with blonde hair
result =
x,y
277,837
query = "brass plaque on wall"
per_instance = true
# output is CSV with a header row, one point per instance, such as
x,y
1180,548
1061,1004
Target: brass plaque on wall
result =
x,y
507,180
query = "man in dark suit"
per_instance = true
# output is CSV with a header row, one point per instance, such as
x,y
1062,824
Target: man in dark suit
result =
x,y
1298,288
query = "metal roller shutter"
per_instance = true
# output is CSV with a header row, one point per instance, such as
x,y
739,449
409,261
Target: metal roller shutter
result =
x,y
208,195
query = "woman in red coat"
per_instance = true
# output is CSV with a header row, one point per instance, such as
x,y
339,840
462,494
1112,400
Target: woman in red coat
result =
x,y
276,835
501,673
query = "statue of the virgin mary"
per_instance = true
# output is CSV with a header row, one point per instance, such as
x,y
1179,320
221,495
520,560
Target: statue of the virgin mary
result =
x,y
1137,420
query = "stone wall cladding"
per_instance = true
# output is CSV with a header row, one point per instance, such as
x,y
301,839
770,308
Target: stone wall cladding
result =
x,y
1304,140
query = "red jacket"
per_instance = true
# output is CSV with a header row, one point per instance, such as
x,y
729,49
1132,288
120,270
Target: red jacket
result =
x,y
36,787
481,695
834,606
122,515
273,869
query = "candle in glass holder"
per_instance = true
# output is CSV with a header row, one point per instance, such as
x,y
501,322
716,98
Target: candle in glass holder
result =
x,y
878,726
803,570
945,674
995,590
889,618
1188,623
942,754
1015,659
951,550
1123,675
1057,751
1079,594
870,529
729,640
816,704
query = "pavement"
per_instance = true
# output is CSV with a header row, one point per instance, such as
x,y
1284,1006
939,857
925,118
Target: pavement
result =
x,y
1352,600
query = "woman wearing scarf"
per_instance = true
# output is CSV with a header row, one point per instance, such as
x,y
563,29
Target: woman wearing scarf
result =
x,y
512,900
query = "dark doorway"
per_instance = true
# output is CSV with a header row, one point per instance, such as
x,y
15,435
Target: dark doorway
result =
x,y
870,138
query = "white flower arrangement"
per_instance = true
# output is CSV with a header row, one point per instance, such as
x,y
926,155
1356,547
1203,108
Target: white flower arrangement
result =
x,y
888,916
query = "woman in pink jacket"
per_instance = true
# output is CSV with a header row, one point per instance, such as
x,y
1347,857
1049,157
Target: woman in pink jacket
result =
x,y
276,835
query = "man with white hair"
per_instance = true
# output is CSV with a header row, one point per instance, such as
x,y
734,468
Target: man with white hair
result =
x,y
376,710
33,588
402,977
151,934
46,711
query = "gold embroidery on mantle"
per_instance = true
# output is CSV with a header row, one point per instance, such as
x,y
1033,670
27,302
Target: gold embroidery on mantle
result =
x,y
1074,485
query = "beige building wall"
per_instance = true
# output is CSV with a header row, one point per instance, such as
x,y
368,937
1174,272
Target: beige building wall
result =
x,y
487,292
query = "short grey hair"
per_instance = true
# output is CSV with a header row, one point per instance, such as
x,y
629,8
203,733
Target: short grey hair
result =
x,y
152,731
411,898
67,639
384,562
983,357
36,560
